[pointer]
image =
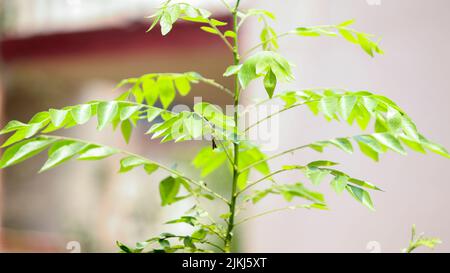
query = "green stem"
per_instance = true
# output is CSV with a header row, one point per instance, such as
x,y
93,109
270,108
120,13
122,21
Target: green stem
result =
x,y
236,57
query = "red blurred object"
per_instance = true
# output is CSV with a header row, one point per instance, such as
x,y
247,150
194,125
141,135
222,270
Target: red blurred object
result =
x,y
118,39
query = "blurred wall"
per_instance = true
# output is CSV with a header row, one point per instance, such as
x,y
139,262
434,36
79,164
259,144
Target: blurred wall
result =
x,y
91,203
413,72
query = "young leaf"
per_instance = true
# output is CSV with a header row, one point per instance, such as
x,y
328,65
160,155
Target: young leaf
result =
x,y
153,113
232,70
106,112
23,150
346,105
81,113
270,82
131,162
316,176
57,116
61,154
97,153
259,64
129,111
390,141
168,189
166,91
166,23
339,183
126,129
183,85
150,90
12,126
361,196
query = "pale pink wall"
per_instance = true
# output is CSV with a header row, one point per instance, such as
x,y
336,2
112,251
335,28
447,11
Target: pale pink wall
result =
x,y
413,72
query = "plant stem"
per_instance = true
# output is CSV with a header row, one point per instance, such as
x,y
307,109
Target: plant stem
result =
x,y
236,57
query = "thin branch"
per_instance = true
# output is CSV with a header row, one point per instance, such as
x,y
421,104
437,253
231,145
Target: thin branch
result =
x,y
267,41
225,3
272,211
230,159
221,35
273,157
252,184
217,85
172,171
278,112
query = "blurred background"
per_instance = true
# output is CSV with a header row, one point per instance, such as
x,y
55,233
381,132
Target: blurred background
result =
x,y
63,52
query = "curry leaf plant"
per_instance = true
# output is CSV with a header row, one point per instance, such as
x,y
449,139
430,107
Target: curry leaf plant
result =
x,y
226,139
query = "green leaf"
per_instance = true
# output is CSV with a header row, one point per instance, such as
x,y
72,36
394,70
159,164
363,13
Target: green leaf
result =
x,y
166,23
97,153
369,146
57,116
13,126
230,34
299,190
150,168
61,154
166,91
123,247
394,120
199,234
322,163
343,144
209,160
183,85
129,111
410,128
153,113
131,162
81,113
270,82
315,175
126,129
361,196
106,112
168,189
434,147
365,44
259,64
346,105
390,141
329,106
150,90
348,35
210,30
232,70
23,133
23,150
339,183
187,241
413,144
